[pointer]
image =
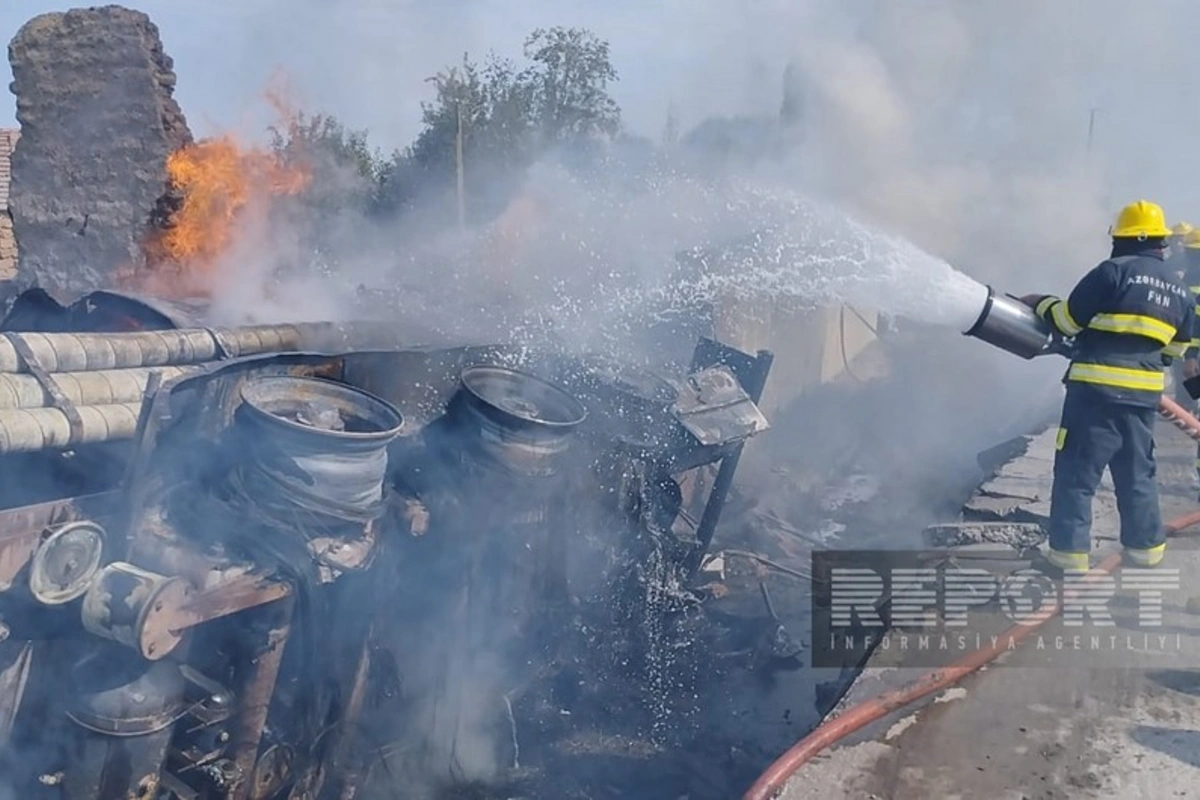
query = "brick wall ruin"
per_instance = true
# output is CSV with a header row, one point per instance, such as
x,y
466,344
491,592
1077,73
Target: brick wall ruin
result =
x,y
98,118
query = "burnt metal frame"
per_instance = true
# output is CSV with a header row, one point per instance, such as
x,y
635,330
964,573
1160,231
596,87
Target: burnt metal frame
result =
x,y
156,415
259,593
751,372
22,529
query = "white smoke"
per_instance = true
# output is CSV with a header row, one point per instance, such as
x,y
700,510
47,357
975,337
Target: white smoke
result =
x,y
963,126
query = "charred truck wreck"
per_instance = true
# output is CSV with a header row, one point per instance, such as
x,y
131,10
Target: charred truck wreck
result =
x,y
285,574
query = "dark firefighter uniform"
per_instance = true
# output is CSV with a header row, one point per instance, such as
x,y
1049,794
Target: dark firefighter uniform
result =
x,y
1175,240
1177,259
1128,317
1190,249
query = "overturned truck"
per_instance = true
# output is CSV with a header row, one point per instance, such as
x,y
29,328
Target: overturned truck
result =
x,y
289,562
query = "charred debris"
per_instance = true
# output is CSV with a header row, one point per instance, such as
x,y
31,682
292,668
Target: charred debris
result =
x,y
317,561
299,561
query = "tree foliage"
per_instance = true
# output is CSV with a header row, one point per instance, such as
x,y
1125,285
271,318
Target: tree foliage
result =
x,y
344,170
570,79
556,102
492,105
509,114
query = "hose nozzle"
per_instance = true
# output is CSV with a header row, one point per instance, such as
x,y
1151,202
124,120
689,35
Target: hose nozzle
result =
x,y
1012,326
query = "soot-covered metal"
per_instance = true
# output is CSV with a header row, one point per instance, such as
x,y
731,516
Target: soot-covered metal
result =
x,y
420,572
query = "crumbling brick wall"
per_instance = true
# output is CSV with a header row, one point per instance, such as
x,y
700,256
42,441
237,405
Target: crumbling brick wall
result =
x,y
98,118
8,242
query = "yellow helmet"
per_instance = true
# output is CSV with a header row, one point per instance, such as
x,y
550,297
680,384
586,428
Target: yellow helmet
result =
x,y
1191,239
1182,229
1141,220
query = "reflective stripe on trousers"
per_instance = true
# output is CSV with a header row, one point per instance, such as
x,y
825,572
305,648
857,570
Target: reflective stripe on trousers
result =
x,y
1177,349
1147,557
1068,561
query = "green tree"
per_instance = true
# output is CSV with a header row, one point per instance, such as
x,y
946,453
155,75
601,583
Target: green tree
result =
x,y
491,105
345,176
459,101
560,98
399,185
570,77
510,115
345,171
509,96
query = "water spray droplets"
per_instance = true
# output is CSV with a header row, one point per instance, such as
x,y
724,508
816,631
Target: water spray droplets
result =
x,y
617,260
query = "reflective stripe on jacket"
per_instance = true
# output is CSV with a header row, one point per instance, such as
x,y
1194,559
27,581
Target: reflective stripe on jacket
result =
x,y
1129,316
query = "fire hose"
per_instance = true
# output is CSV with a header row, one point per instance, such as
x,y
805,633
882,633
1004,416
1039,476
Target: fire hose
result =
x,y
100,387
1178,416
85,352
853,719
63,389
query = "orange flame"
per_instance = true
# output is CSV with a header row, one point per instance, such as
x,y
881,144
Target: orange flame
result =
x,y
219,185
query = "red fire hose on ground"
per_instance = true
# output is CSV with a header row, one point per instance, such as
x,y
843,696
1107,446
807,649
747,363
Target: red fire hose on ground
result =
x,y
832,731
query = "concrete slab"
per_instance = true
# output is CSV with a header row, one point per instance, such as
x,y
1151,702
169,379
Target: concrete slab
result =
x,y
1013,534
993,509
1050,720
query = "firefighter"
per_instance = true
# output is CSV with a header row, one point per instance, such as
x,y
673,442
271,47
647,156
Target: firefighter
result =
x,y
1184,258
1189,366
1176,257
1175,242
1128,317
1190,252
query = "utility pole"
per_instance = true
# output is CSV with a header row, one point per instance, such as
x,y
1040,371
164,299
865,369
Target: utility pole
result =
x,y
458,164
1106,189
450,85
671,131
1091,131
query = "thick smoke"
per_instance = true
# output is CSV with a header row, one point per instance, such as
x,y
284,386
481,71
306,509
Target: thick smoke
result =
x,y
999,137
963,127
988,101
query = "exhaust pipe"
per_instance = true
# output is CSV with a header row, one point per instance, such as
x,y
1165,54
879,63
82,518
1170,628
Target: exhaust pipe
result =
x,y
1012,326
